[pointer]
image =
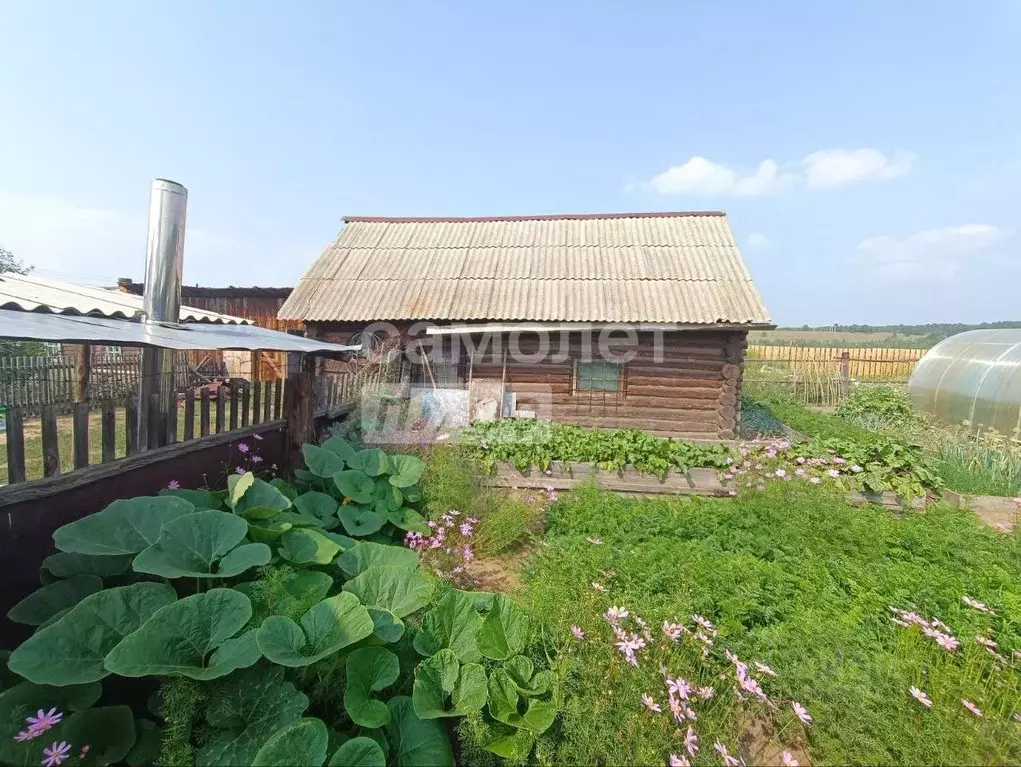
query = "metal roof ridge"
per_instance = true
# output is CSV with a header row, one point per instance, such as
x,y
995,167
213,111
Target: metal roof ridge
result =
x,y
536,217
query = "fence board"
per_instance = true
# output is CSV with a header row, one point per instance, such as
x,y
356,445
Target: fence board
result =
x,y
51,445
15,447
221,407
80,434
109,431
267,404
246,401
189,414
257,402
172,422
131,426
234,394
204,412
278,398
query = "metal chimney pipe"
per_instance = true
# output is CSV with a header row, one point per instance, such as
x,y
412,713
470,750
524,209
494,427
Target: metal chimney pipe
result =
x,y
161,302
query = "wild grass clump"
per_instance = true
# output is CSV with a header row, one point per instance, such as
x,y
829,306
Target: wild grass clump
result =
x,y
983,462
797,580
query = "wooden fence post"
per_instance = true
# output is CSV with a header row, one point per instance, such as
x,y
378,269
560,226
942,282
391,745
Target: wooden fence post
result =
x,y
297,409
15,446
51,445
82,375
80,434
845,373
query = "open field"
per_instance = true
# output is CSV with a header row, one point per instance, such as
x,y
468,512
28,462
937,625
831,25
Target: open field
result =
x,y
836,338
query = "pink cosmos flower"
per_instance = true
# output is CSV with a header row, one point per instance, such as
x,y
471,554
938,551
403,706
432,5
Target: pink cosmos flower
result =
x,y
780,473
801,712
598,586
728,760
679,760
789,760
173,485
467,554
838,460
986,642
243,447
649,702
920,696
44,720
238,470
679,687
972,707
833,472
55,754
596,541
691,741
815,480
577,632
677,709
764,669
800,459
24,735
466,529
258,438
85,748
974,604
705,693
629,647
799,472
256,459
703,622
673,631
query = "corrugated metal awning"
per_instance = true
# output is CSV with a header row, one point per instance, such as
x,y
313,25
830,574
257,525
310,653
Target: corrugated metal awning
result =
x,y
20,325
39,294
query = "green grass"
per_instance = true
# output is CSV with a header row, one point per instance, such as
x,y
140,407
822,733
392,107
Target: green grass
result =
x,y
795,578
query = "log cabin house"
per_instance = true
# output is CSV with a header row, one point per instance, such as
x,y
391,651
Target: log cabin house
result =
x,y
605,320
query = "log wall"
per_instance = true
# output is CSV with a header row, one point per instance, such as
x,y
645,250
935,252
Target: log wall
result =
x,y
692,391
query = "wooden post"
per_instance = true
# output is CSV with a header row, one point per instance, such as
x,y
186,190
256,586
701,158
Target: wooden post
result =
x,y
109,431
204,412
298,409
278,388
234,394
15,447
82,375
256,361
80,434
172,421
845,373
221,406
267,405
257,402
246,400
131,426
189,414
51,445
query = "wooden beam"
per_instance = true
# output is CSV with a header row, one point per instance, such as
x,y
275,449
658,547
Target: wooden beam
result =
x,y
298,396
221,406
15,446
82,375
51,445
80,434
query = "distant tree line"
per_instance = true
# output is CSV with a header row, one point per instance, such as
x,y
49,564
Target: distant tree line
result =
x,y
901,336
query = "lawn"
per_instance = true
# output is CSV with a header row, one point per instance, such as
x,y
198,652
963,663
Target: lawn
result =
x,y
794,578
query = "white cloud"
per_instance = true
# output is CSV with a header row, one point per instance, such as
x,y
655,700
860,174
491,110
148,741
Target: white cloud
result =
x,y
66,240
825,169
931,255
757,241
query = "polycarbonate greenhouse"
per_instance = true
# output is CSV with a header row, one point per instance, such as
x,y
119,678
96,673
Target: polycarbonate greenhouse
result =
x,y
974,376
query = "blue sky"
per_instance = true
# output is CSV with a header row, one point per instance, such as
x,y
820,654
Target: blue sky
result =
x,y
868,153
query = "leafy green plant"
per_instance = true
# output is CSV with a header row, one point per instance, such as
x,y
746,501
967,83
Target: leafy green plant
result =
x,y
877,407
258,604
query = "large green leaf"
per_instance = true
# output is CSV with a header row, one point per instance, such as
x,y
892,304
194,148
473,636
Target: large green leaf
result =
x,y
408,519
148,737
42,604
237,486
503,705
305,546
302,744
27,698
268,530
372,461
386,626
405,470
193,637
367,554
64,565
289,490
245,710
452,623
261,500
202,545
321,462
369,669
108,731
356,485
519,668
339,447
200,499
416,742
401,590
299,587
504,631
387,496
329,626
512,744
441,677
316,504
359,752
124,527
72,650
358,520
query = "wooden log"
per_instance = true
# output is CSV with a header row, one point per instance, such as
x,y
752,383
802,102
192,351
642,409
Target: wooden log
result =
x,y
204,412
696,389
51,444
731,372
131,426
689,378
189,414
235,394
298,402
15,429
80,434
108,431
221,407
257,402
82,376
246,402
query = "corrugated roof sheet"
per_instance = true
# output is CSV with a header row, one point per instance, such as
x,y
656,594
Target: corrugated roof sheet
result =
x,y
38,294
657,267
